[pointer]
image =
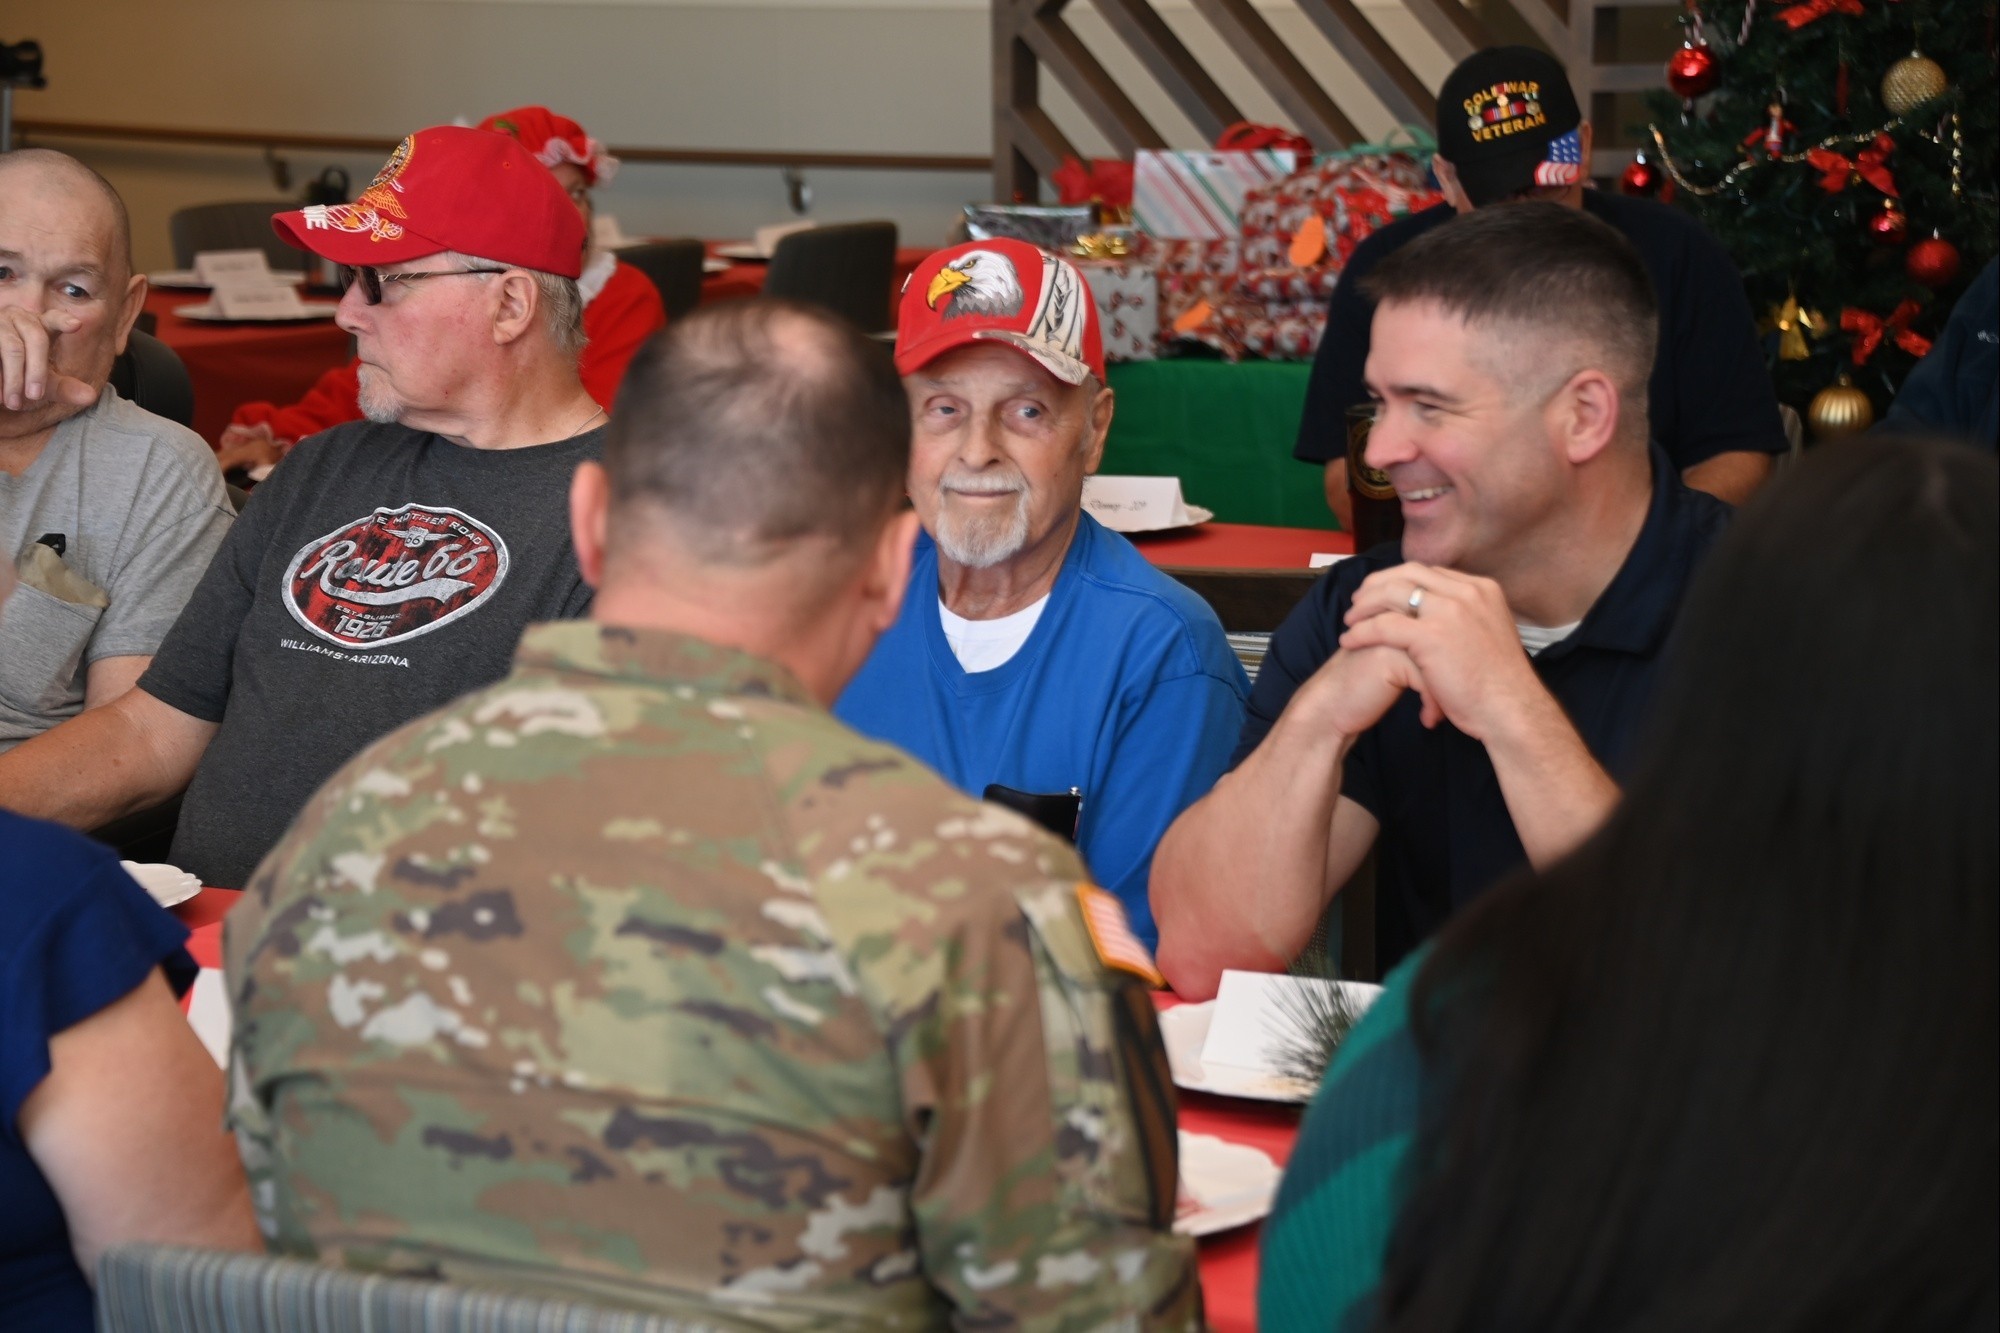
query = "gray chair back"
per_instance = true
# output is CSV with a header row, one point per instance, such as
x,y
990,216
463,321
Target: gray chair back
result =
x,y
239,226
150,373
675,270
847,268
166,1289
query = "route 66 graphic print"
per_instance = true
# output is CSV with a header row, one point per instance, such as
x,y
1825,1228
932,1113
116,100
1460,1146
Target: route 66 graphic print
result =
x,y
394,575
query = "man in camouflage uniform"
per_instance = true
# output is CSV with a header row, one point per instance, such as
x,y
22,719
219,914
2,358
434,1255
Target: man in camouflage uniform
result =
x,y
638,978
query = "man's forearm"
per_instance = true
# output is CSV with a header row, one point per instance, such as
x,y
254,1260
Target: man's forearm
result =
x,y
1556,792
1240,879
1733,477
101,764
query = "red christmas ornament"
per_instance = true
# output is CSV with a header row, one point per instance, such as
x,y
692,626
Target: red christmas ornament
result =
x,y
1933,262
1691,70
1889,227
1642,179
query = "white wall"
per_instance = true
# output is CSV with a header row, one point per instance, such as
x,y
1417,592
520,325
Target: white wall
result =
x,y
888,76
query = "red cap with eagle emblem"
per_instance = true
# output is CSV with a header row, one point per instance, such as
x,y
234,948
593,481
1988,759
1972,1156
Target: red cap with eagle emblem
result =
x,y
1000,291
450,187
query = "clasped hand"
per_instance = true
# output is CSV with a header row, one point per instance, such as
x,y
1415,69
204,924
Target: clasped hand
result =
x,y
1459,650
28,381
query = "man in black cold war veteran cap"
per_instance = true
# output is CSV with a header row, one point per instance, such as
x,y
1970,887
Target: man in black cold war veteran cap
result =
x,y
1509,128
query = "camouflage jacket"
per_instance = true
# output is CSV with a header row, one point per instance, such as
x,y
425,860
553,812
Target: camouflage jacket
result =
x,y
638,978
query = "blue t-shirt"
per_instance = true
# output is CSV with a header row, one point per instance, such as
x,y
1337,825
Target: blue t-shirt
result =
x,y
77,934
1126,690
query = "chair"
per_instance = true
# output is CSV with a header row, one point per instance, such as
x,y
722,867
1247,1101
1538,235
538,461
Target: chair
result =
x,y
166,1289
849,268
241,226
150,373
675,268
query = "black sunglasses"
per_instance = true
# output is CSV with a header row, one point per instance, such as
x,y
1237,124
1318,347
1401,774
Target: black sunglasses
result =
x,y
372,278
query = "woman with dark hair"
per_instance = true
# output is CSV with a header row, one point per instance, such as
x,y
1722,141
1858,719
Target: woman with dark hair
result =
x,y
1732,1064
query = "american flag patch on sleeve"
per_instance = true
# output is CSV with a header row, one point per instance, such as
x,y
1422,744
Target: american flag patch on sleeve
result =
x,y
1111,935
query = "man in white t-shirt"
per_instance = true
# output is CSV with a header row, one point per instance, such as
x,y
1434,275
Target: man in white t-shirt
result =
x,y
1039,660
108,513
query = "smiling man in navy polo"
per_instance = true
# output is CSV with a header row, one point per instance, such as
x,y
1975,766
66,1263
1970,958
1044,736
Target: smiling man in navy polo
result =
x,y
1462,703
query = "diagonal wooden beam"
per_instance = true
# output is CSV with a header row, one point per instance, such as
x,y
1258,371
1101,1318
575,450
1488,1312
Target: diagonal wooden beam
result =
x,y
1288,81
1016,84
1115,114
1452,26
1197,95
1379,67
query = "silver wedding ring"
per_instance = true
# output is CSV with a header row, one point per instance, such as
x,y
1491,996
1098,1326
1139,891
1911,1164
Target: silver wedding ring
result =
x,y
1416,601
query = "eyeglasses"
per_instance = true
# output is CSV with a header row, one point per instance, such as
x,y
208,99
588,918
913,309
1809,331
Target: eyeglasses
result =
x,y
373,278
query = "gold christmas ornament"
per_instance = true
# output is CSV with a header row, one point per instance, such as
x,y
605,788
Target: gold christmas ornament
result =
x,y
1839,410
1911,82
1792,322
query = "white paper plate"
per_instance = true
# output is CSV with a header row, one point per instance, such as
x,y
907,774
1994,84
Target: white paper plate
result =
x,y
743,250
1244,1181
712,265
1195,515
1184,1028
207,313
188,279
168,884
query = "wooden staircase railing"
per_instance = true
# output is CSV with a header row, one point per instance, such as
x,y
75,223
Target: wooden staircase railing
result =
x,y
1030,36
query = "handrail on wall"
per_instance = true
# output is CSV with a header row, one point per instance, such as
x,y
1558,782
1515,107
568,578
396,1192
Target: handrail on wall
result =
x,y
272,140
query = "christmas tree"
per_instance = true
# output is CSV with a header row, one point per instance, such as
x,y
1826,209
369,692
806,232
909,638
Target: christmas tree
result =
x,y
1842,151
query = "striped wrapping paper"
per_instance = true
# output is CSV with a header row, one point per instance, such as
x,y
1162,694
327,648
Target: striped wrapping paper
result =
x,y
1199,196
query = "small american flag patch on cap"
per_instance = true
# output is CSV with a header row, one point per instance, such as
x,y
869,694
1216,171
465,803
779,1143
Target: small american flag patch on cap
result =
x,y
1564,164
1111,935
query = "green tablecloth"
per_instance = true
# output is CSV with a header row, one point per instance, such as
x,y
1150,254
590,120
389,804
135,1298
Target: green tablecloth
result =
x,y
1226,431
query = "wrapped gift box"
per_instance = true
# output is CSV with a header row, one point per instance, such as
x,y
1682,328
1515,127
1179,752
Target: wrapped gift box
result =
x,y
1127,294
1052,227
1199,196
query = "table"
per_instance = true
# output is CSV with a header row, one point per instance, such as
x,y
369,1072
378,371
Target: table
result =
x,y
1225,430
1252,576
233,364
1228,1261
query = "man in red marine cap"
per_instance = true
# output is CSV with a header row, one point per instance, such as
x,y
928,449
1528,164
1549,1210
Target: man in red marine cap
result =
x,y
621,307
388,565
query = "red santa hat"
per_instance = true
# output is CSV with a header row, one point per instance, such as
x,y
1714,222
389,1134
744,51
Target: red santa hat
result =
x,y
555,140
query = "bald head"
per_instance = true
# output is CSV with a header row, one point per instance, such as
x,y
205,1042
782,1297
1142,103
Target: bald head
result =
x,y
47,171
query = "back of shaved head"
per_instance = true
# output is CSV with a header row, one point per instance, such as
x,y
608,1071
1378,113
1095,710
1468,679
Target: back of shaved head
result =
x,y
50,165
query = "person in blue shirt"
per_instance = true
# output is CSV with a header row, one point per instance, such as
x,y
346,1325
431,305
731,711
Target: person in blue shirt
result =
x,y
110,1108
1956,388
1039,661
1464,702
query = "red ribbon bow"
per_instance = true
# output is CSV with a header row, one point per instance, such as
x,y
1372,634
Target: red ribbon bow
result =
x,y
1869,329
1797,16
1106,181
1248,137
1871,164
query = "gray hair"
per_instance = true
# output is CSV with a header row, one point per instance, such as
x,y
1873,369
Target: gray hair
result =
x,y
561,300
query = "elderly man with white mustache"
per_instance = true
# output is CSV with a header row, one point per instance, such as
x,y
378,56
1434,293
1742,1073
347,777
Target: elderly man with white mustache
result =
x,y
1039,661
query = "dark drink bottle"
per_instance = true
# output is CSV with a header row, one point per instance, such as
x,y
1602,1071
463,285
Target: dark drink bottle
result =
x,y
1378,515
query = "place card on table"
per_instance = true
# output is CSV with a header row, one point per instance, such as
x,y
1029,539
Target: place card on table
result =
x,y
1255,1019
1321,559
254,298
1140,504
213,267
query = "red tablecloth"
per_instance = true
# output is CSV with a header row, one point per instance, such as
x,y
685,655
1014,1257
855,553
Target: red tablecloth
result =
x,y
1228,1261
1241,546
232,364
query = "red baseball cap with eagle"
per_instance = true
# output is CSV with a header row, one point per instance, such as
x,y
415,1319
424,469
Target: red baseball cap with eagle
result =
x,y
450,187
1000,291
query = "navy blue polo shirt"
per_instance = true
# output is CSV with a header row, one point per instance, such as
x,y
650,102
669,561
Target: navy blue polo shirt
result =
x,y
1446,834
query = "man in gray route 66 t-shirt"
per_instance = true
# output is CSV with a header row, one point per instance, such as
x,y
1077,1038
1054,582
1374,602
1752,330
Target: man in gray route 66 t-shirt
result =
x,y
389,565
